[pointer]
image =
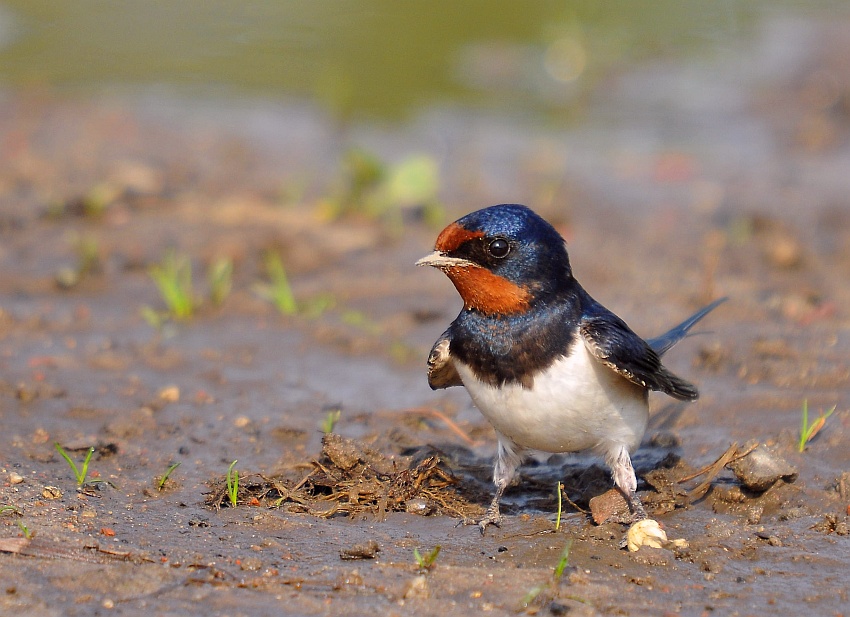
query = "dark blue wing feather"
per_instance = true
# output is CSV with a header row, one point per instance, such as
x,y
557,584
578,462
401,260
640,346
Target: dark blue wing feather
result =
x,y
614,344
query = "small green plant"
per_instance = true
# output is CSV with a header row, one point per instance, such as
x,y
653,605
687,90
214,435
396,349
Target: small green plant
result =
x,y
278,290
361,321
220,280
26,530
808,431
558,490
426,561
88,255
10,510
329,422
232,484
369,187
563,561
98,199
80,473
173,278
161,482
549,586
88,261
317,305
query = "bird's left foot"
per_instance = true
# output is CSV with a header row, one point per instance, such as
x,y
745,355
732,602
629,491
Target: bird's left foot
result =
x,y
626,519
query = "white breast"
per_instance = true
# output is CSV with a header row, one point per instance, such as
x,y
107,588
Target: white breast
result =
x,y
576,404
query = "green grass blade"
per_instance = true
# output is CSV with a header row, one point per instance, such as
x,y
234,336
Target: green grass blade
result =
x,y
564,560
804,425
70,462
558,520
161,484
232,480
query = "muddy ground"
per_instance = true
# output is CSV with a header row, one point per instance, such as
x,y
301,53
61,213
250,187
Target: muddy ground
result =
x,y
748,200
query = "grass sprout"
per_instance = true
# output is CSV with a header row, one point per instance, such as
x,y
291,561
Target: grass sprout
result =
x,y
563,561
81,472
426,561
26,530
329,422
232,484
10,510
87,262
808,431
537,593
98,199
278,291
87,250
558,519
372,188
173,278
161,482
220,280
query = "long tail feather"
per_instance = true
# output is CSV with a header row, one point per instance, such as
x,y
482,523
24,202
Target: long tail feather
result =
x,y
661,344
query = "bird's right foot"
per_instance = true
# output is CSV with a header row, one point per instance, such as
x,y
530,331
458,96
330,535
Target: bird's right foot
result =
x,y
492,517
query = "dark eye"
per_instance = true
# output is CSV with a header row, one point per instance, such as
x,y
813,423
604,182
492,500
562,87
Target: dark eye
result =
x,y
499,248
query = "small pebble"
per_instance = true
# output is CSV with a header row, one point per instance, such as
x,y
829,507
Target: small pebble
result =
x,y
15,478
251,564
754,514
418,506
51,492
761,468
610,505
364,550
170,394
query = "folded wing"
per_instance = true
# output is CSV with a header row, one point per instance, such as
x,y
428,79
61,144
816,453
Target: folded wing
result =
x,y
613,343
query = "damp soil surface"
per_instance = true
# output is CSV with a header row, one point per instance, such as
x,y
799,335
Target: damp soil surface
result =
x,y
93,194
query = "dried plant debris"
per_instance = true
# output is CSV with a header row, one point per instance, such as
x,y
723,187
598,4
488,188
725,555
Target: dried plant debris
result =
x,y
351,478
53,549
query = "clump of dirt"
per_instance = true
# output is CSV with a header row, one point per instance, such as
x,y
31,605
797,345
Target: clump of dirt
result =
x,y
351,478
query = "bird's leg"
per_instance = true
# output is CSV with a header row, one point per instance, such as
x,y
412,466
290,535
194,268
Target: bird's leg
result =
x,y
508,458
624,478
492,516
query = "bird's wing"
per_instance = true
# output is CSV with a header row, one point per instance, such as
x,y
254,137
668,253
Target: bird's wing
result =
x,y
613,343
441,369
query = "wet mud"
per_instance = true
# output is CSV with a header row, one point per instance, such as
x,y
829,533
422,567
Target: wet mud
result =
x,y
343,521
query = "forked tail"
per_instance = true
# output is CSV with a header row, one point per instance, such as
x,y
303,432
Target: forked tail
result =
x,y
661,344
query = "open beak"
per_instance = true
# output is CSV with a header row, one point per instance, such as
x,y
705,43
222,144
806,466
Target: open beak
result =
x,y
440,260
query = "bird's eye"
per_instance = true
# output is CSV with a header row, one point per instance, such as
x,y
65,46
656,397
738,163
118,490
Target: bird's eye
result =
x,y
499,248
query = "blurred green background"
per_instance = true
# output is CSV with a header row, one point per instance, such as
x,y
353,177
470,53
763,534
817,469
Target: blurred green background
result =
x,y
379,58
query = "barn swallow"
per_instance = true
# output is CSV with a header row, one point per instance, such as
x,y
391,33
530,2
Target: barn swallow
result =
x,y
548,366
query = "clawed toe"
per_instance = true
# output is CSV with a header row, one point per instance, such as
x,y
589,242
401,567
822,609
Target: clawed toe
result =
x,y
626,519
489,520
492,517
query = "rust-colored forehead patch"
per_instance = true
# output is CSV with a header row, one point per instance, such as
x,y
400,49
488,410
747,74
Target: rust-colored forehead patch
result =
x,y
453,236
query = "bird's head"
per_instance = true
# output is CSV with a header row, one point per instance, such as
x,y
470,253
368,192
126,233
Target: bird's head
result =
x,y
501,259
